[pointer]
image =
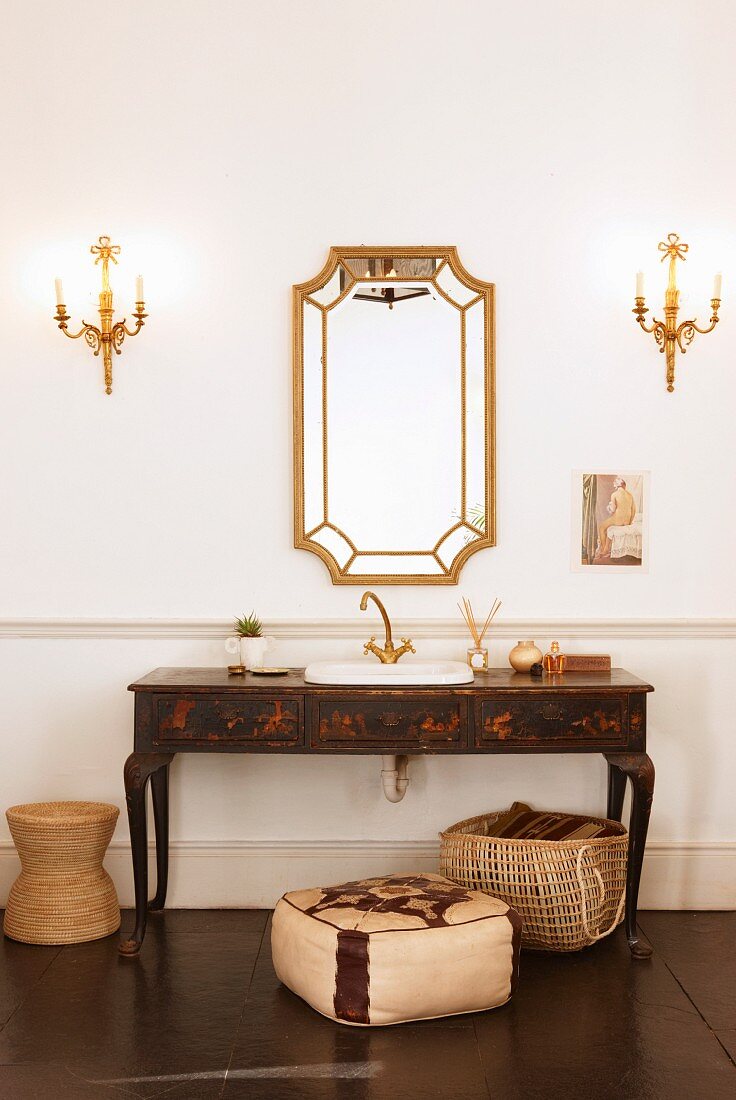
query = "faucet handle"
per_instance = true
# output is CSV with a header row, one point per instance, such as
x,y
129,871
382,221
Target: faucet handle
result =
x,y
408,642
368,644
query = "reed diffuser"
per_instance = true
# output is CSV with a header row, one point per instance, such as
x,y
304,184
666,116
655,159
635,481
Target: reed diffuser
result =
x,y
478,655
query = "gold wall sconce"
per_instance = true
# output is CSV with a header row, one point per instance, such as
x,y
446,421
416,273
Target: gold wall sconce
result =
x,y
108,337
669,335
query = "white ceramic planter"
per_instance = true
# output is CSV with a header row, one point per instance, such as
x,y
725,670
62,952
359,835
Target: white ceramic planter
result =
x,y
250,651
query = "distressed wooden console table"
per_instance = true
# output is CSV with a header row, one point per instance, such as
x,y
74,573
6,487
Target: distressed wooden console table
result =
x,y
206,710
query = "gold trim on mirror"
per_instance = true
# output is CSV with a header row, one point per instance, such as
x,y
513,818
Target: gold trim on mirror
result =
x,y
309,293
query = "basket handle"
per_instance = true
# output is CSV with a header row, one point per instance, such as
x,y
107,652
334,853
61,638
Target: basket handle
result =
x,y
583,899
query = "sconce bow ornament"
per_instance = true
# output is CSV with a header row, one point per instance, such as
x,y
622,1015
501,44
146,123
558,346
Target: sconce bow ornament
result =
x,y
105,251
673,247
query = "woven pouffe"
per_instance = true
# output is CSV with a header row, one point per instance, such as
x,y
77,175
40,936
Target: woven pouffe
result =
x,y
390,950
63,894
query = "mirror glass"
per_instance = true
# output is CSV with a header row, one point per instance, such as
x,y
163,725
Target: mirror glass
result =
x,y
394,415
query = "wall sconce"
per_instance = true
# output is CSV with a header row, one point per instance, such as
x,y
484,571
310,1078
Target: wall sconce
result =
x,y
108,336
668,334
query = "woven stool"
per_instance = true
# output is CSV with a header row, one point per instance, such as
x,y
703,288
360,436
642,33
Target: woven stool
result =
x,y
63,894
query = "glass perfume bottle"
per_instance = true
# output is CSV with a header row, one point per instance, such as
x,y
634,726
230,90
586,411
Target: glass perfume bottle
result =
x,y
554,660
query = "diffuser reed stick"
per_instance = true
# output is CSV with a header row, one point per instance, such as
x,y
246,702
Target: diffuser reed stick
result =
x,y
478,656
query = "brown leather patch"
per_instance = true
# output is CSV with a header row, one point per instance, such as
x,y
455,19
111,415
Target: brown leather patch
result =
x,y
409,895
352,993
516,923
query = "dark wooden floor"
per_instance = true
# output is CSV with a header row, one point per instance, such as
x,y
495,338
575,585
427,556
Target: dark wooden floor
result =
x,y
201,1014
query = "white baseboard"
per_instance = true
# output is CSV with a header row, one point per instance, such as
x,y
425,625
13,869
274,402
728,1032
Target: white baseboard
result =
x,y
254,874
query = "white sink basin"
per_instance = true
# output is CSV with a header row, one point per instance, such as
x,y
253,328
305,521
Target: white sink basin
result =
x,y
403,672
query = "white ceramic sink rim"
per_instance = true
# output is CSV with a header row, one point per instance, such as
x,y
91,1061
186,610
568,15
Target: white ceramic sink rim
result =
x,y
420,673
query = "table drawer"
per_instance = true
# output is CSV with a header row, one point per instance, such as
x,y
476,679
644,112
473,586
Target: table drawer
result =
x,y
542,718
405,720
266,719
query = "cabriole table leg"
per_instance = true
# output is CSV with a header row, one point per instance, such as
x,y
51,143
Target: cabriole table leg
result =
x,y
138,769
616,792
640,770
160,797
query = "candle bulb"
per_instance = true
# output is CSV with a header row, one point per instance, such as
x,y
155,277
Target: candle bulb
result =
x,y
717,285
640,284
139,289
59,292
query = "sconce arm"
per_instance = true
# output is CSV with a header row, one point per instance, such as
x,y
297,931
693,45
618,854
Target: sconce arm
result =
x,y
139,323
697,328
714,319
654,327
640,309
120,330
92,335
686,331
61,317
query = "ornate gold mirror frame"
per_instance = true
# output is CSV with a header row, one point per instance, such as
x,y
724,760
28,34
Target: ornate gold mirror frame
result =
x,y
363,272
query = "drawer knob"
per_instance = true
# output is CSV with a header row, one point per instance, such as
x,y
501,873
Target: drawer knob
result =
x,y
552,712
390,718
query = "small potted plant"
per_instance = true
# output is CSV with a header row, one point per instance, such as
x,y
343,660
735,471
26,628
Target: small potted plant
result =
x,y
249,642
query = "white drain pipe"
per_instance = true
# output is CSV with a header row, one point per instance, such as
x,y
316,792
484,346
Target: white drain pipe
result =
x,y
394,777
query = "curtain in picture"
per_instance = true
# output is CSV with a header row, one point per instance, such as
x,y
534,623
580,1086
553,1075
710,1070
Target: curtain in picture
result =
x,y
590,533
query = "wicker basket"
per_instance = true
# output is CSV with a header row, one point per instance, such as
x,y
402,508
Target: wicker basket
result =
x,y
63,894
569,893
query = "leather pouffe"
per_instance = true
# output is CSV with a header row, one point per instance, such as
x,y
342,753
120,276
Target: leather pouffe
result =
x,y
389,950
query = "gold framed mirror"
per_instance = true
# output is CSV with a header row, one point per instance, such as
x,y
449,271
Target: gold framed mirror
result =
x,y
394,415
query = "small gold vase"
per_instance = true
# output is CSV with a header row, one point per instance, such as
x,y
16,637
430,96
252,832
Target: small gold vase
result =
x,y
524,655
478,658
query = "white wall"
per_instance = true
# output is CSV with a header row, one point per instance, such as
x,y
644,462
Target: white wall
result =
x,y
225,147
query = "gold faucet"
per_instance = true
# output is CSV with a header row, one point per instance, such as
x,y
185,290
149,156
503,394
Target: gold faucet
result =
x,y
388,655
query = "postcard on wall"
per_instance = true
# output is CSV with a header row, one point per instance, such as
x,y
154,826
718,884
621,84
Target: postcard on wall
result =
x,y
610,520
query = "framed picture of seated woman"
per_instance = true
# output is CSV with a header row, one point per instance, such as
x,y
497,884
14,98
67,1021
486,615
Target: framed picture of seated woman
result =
x,y
610,520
